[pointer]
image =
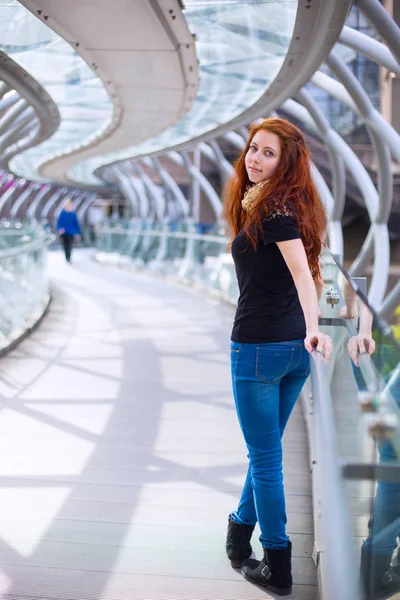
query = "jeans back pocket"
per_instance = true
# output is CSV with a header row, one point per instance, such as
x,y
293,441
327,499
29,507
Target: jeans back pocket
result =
x,y
273,362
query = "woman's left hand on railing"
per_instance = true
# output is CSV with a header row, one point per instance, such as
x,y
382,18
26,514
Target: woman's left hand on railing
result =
x,y
360,344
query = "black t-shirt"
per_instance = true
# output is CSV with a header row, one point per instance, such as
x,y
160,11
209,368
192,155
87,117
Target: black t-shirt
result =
x,y
268,309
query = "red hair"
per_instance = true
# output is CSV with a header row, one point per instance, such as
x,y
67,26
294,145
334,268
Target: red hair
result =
x,y
290,185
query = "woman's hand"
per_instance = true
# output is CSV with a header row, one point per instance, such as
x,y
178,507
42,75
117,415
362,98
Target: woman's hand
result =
x,y
348,312
315,340
360,344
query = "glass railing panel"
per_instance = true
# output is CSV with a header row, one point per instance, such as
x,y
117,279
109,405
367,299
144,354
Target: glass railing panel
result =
x,y
364,379
13,234
176,249
151,239
24,285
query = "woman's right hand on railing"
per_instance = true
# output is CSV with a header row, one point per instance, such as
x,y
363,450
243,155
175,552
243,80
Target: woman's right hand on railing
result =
x,y
315,340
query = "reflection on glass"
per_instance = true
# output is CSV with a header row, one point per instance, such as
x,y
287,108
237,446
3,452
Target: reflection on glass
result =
x,y
365,387
240,47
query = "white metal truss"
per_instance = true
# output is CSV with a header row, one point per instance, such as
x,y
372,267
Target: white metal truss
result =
x,y
385,141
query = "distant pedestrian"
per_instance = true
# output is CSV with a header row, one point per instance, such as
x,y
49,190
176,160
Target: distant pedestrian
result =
x,y
68,228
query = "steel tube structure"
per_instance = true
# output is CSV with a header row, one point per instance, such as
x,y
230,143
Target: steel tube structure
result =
x,y
154,192
381,233
31,211
212,196
390,302
337,168
213,152
26,195
383,23
370,48
57,196
384,139
364,105
179,199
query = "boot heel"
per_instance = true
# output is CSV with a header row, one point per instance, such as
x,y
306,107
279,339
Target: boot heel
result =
x,y
236,564
274,571
280,591
237,544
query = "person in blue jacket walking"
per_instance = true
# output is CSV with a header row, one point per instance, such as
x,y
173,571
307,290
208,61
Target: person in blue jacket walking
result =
x,y
68,228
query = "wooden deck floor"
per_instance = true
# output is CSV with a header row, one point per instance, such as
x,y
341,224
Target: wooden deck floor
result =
x,y
120,453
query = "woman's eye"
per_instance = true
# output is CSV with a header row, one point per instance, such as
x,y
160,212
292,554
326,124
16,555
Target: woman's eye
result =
x,y
253,148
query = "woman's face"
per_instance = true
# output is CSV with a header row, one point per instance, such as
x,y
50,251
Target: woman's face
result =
x,y
263,156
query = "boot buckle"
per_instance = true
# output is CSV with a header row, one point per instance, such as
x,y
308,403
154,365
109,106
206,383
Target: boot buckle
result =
x,y
266,572
387,578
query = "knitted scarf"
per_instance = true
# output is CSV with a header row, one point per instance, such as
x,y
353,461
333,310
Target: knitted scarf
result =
x,y
252,194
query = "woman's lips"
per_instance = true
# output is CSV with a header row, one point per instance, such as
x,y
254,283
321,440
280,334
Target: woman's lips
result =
x,y
254,170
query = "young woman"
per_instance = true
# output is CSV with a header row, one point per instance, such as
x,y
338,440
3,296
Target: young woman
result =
x,y
277,221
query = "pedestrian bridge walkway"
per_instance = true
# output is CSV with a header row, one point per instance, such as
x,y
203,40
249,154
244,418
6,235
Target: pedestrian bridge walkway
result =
x,y
120,453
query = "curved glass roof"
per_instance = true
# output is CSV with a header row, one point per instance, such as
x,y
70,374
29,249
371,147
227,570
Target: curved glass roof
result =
x,y
82,100
241,46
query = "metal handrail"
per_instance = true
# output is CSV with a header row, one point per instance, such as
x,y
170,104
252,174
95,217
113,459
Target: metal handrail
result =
x,y
29,247
173,234
36,96
11,232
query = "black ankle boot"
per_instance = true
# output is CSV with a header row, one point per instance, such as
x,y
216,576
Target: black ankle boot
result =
x,y
273,572
377,578
237,543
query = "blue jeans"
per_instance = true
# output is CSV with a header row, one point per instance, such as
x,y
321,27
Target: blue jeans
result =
x,y
267,380
384,524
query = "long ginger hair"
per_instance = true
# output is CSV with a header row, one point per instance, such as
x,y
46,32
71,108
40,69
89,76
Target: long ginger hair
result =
x,y
290,186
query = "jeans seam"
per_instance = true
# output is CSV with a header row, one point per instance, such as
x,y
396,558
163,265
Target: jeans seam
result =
x,y
237,351
300,358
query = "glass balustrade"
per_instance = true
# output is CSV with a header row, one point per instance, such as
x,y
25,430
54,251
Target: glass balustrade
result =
x,y
14,233
174,249
364,382
24,285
